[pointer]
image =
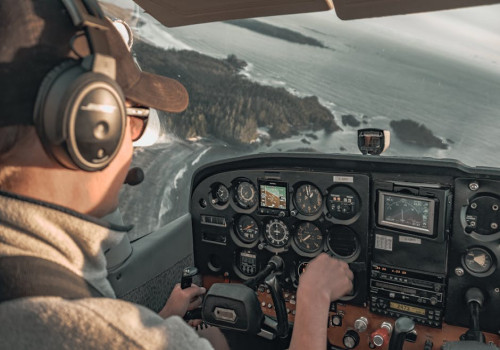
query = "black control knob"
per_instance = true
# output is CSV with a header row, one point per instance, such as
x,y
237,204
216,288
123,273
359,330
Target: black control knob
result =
x,y
402,327
351,339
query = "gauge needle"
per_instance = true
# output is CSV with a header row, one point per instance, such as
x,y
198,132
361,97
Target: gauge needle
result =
x,y
481,260
247,227
306,238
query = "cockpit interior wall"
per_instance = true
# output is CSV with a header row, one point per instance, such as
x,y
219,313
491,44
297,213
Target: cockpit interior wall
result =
x,y
418,234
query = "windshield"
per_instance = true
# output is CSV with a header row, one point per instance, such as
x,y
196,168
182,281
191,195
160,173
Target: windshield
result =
x,y
307,83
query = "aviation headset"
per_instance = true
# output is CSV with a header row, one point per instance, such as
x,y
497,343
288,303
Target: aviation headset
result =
x,y
80,109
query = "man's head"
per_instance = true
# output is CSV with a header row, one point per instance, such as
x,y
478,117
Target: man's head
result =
x,y
44,82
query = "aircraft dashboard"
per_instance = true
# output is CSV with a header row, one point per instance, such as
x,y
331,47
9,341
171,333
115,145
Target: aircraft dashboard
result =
x,y
418,235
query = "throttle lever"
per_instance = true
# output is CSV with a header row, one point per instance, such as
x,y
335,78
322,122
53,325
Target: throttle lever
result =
x,y
186,280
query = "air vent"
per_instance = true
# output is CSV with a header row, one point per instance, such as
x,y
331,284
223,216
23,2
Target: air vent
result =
x,y
343,241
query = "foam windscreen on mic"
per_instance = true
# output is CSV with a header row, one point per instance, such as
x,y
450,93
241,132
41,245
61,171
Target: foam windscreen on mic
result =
x,y
134,177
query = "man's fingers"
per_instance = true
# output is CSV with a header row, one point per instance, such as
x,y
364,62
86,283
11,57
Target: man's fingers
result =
x,y
350,274
194,323
195,303
194,291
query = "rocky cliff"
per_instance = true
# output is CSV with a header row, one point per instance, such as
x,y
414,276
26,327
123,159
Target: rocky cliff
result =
x,y
227,105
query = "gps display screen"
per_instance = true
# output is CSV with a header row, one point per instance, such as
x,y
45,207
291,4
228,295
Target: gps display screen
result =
x,y
273,196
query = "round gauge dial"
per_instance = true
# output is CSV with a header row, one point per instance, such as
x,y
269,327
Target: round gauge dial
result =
x,y
308,199
221,194
302,267
343,203
277,233
309,237
247,229
483,215
478,260
246,195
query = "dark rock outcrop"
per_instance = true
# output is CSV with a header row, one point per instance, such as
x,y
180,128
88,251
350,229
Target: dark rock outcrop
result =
x,y
414,133
227,105
350,120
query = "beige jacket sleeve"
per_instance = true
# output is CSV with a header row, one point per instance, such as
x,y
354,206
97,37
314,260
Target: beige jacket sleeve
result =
x,y
93,323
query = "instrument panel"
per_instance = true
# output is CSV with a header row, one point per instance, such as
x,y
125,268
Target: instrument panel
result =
x,y
417,235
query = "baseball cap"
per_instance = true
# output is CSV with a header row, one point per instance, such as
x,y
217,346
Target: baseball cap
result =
x,y
37,35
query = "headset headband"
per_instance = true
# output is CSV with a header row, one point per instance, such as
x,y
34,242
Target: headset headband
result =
x,y
88,16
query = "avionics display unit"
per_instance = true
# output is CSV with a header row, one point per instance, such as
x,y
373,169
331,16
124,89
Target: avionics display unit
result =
x,y
273,198
405,212
410,247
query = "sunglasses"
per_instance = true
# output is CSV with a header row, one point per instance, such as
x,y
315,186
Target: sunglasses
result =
x,y
138,121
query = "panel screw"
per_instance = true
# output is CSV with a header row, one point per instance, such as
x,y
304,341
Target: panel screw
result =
x,y
459,271
497,290
494,225
494,207
473,205
474,186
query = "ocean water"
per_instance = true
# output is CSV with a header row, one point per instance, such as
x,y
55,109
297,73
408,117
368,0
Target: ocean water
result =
x,y
440,69
373,72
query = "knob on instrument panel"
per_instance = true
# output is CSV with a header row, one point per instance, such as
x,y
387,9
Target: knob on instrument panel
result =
x,y
361,324
382,335
351,339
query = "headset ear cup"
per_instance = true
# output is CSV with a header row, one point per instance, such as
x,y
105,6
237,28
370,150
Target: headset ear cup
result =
x,y
39,115
97,122
67,114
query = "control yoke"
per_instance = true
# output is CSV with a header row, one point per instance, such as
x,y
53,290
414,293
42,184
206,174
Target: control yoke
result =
x,y
236,307
475,300
402,327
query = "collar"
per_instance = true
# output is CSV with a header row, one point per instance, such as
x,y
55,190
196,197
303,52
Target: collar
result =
x,y
29,227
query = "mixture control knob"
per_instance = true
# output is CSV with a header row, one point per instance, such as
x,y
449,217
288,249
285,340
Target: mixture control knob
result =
x,y
351,339
382,335
361,324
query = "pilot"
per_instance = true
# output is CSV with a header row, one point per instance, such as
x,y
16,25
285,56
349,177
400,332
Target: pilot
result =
x,y
67,124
